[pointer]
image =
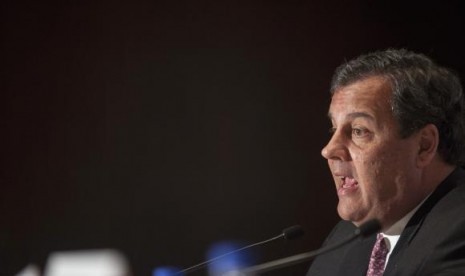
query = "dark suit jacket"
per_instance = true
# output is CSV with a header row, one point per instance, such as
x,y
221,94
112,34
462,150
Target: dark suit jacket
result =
x,y
432,243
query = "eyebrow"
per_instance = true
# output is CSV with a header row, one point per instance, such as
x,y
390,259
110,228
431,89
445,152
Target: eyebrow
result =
x,y
354,115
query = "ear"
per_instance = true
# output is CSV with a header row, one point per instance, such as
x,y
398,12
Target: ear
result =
x,y
428,144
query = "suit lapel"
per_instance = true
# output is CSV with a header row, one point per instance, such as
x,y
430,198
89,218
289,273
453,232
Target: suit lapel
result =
x,y
357,257
414,224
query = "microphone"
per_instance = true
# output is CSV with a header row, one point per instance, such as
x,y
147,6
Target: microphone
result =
x,y
365,230
289,233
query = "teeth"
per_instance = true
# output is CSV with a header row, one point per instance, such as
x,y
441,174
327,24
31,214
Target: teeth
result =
x,y
348,182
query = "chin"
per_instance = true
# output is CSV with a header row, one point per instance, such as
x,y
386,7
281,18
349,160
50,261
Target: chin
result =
x,y
356,219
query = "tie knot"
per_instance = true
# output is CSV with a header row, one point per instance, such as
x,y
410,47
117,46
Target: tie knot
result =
x,y
380,238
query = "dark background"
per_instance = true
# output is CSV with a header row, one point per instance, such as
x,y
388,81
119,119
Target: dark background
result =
x,y
160,127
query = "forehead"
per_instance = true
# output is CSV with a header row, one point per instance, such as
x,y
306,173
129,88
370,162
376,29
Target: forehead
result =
x,y
369,97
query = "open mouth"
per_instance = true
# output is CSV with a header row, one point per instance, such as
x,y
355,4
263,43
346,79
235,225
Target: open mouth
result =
x,y
348,182
347,185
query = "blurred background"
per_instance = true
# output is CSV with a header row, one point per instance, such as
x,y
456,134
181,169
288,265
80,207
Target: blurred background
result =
x,y
159,128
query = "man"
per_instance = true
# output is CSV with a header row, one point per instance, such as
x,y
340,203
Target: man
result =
x,y
398,140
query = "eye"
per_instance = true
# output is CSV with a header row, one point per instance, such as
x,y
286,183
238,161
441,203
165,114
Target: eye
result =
x,y
360,132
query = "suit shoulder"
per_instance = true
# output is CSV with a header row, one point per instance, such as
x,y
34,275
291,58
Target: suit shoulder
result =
x,y
341,230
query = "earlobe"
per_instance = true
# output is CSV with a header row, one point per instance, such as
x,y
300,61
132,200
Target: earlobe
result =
x,y
428,144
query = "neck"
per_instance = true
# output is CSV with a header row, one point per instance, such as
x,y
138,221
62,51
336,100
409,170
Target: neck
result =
x,y
430,178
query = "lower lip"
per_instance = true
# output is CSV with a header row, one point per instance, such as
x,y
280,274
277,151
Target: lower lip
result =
x,y
344,191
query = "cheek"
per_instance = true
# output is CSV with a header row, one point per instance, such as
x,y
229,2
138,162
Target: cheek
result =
x,y
373,173
368,164
378,159
385,175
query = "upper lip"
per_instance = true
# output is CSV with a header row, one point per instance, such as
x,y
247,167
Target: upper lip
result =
x,y
342,176
341,171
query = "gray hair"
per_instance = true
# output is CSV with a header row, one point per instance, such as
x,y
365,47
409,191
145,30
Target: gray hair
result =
x,y
423,93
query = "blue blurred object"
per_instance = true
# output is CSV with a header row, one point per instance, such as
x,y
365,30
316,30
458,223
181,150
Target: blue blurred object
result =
x,y
165,271
229,263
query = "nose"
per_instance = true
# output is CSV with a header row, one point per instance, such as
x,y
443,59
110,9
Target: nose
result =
x,y
336,148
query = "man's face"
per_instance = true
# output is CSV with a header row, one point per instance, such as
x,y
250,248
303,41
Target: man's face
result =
x,y
373,168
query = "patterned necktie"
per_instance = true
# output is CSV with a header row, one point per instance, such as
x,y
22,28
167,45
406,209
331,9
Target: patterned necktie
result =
x,y
378,257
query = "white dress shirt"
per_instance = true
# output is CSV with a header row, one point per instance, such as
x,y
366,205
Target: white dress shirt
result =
x,y
392,235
